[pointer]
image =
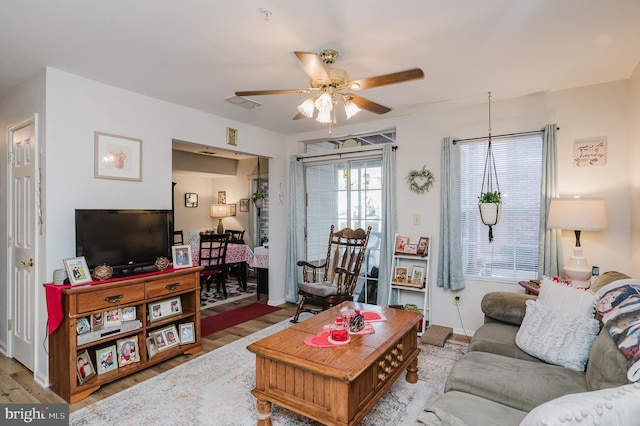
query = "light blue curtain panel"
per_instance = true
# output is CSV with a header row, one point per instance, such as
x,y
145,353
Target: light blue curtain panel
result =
x,y
389,224
295,240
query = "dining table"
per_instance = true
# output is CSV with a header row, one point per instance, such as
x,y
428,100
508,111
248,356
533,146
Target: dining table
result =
x,y
239,255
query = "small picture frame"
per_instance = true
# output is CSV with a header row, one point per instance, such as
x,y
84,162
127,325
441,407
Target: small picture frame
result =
x,y
181,256
128,313
83,325
171,336
117,157
411,249
187,333
161,343
401,275
232,137
107,359
84,367
152,347
222,197
244,205
128,351
232,209
191,199
77,270
401,242
97,321
417,275
423,246
113,318
163,309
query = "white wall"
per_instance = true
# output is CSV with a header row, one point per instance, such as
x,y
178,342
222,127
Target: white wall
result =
x,y
601,110
634,159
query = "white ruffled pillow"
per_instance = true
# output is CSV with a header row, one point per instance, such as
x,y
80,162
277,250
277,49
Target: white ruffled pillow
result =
x,y
616,406
557,337
566,298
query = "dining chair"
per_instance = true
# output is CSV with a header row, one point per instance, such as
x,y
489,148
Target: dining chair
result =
x,y
213,251
333,280
235,237
178,238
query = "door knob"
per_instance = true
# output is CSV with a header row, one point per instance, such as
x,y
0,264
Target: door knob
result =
x,y
27,262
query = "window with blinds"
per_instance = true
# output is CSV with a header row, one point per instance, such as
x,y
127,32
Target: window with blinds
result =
x,y
513,254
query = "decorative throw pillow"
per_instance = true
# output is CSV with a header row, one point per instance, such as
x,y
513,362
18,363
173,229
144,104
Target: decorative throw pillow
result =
x,y
566,298
557,337
614,406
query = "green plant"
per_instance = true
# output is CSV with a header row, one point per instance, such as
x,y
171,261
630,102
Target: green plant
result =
x,y
490,197
257,196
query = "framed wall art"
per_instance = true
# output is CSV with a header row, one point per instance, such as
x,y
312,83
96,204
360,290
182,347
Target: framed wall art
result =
x,y
244,205
232,209
117,157
232,136
222,197
191,199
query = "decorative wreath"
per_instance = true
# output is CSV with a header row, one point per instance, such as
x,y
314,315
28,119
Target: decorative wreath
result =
x,y
416,176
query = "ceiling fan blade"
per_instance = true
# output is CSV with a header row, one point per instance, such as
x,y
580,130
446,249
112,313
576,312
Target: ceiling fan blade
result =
x,y
383,80
272,92
370,106
313,66
298,116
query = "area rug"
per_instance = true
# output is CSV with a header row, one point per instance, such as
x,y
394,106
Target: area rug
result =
x,y
216,389
234,292
217,322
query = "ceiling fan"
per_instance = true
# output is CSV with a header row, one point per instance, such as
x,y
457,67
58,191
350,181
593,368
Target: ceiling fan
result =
x,y
331,84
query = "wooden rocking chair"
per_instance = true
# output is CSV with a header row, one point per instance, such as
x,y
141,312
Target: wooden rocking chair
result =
x,y
333,280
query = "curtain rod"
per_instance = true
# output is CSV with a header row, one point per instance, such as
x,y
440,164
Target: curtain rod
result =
x,y
455,141
356,151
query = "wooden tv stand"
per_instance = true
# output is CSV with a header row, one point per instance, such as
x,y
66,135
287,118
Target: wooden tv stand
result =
x,y
83,301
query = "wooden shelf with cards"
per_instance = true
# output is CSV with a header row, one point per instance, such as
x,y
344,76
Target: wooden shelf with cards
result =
x,y
409,286
135,323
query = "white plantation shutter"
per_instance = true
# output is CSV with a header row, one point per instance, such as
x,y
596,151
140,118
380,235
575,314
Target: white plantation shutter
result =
x,y
513,254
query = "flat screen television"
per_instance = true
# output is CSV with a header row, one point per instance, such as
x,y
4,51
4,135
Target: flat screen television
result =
x,y
129,241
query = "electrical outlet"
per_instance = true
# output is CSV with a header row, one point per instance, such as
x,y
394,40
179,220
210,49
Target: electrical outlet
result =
x,y
457,301
416,219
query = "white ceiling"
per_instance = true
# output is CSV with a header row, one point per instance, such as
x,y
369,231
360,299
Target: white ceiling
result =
x,y
198,52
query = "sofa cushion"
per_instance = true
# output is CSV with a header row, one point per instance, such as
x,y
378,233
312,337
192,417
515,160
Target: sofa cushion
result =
x,y
499,338
607,366
565,298
607,278
505,306
460,408
557,337
516,383
617,406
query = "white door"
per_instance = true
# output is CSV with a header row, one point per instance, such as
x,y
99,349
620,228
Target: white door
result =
x,y
22,238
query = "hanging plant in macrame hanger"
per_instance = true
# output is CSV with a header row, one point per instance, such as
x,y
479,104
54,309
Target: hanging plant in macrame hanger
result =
x,y
490,202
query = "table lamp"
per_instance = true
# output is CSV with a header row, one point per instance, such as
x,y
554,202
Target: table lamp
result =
x,y
577,214
220,211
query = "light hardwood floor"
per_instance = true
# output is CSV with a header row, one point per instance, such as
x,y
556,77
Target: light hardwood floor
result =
x,y
17,384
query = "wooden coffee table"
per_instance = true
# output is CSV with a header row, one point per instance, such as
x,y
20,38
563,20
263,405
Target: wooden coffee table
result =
x,y
335,386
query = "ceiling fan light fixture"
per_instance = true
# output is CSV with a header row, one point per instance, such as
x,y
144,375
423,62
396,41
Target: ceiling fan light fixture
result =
x,y
324,117
324,103
351,109
307,107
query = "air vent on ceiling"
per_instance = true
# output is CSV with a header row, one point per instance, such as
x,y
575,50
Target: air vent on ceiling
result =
x,y
243,102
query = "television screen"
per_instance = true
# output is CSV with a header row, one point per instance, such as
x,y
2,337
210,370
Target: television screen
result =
x,y
127,240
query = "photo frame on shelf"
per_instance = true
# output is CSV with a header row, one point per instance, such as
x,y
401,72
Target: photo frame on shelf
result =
x,y
97,321
401,242
117,157
113,318
423,246
84,367
400,275
411,248
181,256
152,347
83,325
163,309
106,359
77,270
232,136
171,336
187,333
128,313
244,205
417,275
191,199
128,351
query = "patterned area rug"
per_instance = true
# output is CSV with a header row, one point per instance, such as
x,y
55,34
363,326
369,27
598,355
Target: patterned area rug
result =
x,y
217,386
234,292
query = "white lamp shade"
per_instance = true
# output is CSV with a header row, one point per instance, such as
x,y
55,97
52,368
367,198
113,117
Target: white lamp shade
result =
x,y
220,210
577,214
